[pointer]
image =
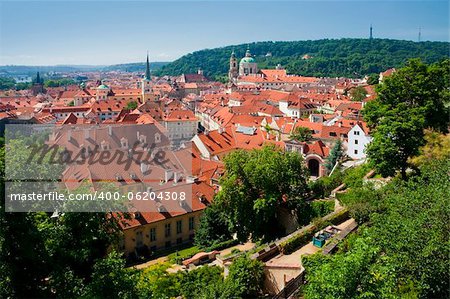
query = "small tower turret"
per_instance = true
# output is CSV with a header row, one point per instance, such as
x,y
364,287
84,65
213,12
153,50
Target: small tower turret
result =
x,y
233,70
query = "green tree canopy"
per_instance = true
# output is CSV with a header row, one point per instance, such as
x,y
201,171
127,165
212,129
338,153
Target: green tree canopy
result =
x,y
132,105
409,101
301,134
401,252
335,155
358,94
255,185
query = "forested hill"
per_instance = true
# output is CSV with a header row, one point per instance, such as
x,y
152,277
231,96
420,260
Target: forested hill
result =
x,y
330,57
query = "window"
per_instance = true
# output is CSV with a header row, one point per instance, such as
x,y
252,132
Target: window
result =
x,y
168,244
153,234
356,152
356,132
191,223
179,241
179,227
356,141
139,238
167,229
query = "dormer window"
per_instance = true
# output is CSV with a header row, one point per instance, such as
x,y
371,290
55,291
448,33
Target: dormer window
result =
x,y
104,145
142,139
157,138
124,143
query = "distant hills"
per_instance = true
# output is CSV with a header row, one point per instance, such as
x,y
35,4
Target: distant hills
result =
x,y
13,70
330,57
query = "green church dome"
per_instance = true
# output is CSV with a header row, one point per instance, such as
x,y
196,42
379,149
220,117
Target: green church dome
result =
x,y
103,86
247,60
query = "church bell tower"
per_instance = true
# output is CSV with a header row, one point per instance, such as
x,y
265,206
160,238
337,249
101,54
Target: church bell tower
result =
x,y
233,71
146,83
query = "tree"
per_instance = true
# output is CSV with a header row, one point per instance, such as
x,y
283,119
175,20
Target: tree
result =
x,y
397,138
110,279
409,101
301,134
358,94
132,105
334,156
437,147
6,83
373,79
213,227
248,275
256,184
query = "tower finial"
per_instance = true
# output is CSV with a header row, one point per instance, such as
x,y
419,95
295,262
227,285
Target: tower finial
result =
x,y
371,32
147,69
420,35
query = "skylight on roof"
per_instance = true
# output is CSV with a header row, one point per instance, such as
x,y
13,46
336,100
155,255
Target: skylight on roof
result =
x,y
246,130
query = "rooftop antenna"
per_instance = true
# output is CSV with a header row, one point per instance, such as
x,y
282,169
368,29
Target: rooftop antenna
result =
x,y
420,35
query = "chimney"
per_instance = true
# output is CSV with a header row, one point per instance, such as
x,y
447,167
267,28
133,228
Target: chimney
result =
x,y
191,179
220,130
69,135
86,134
110,132
144,167
137,135
168,175
176,177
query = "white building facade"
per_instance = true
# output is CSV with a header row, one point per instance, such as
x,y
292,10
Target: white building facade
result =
x,y
358,140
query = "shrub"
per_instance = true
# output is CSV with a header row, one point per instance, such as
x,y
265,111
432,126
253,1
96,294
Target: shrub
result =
x,y
323,186
222,245
306,211
290,245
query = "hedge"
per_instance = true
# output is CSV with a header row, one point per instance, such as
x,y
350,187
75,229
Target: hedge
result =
x,y
222,245
179,256
295,242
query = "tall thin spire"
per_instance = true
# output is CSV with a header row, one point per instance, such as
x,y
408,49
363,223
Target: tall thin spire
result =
x,y
147,69
420,35
371,32
38,78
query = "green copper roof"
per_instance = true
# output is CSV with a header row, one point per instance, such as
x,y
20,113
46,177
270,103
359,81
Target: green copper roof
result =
x,y
247,60
147,70
103,86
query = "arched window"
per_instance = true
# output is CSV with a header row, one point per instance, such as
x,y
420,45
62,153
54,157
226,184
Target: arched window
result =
x,y
313,166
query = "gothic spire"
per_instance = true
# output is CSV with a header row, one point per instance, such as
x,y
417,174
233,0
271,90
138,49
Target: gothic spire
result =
x,y
38,78
147,69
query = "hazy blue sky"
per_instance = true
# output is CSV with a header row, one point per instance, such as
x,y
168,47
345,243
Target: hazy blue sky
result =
x,y
49,33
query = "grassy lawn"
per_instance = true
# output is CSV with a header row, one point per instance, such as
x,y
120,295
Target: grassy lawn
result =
x,y
182,254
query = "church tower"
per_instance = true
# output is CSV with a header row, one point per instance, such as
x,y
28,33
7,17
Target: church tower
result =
x,y
146,83
233,71
38,85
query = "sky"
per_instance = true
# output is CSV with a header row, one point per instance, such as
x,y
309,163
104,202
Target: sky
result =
x,y
112,32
